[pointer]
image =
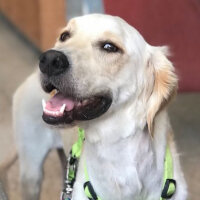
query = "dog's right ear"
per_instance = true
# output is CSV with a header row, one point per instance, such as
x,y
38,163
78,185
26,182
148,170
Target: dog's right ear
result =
x,y
164,82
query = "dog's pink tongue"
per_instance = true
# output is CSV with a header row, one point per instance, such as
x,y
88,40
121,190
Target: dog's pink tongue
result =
x,y
57,101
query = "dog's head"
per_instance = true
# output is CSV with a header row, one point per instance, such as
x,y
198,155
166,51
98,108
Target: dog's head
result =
x,y
100,64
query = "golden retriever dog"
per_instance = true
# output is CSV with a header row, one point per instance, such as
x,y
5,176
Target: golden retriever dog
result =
x,y
109,81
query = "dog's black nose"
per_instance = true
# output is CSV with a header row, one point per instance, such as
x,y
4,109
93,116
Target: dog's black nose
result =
x,y
53,62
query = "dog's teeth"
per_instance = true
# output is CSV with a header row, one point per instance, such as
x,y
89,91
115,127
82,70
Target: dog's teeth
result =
x,y
43,104
51,112
62,108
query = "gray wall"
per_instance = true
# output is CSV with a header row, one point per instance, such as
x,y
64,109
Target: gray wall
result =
x,y
82,7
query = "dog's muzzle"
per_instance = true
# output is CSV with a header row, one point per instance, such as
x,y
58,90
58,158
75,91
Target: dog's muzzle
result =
x,y
65,106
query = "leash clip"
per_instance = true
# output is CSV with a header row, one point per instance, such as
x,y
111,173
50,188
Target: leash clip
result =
x,y
71,169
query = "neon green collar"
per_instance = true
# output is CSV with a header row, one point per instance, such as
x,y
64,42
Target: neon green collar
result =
x,y
169,184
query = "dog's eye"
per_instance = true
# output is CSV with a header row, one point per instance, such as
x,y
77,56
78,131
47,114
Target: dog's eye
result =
x,y
109,47
64,36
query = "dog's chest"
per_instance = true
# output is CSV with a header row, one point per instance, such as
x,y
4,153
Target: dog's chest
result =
x,y
119,172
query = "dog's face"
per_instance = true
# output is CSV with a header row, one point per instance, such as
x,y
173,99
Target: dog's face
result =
x,y
98,64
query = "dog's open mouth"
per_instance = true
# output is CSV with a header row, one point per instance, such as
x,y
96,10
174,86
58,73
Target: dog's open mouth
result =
x,y
60,109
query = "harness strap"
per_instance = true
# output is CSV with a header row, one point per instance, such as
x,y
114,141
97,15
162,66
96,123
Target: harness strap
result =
x,y
169,184
88,188
89,191
77,146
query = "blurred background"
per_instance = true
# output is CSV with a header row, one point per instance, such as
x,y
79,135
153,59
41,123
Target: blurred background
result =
x,y
28,27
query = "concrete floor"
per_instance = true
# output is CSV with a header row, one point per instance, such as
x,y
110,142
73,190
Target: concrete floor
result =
x,y
17,61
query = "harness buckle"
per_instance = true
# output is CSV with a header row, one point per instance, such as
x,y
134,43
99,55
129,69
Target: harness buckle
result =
x,y
64,196
169,189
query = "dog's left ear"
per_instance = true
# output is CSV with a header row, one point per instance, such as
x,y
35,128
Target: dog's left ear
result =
x,y
164,83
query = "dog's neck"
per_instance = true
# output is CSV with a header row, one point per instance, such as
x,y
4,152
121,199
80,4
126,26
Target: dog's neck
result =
x,y
119,153
115,126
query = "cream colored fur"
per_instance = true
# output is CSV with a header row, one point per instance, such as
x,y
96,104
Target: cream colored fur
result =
x,y
125,148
